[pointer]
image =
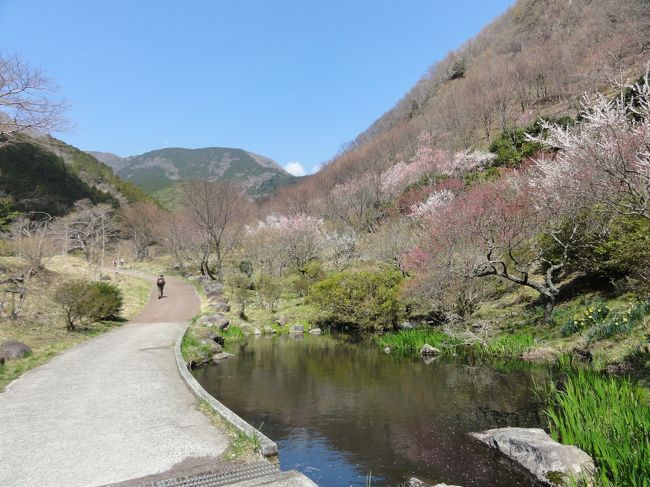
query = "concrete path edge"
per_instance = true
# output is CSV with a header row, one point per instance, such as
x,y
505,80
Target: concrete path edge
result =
x,y
268,447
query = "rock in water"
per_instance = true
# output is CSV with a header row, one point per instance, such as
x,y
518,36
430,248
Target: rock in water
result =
x,y
220,357
13,350
551,462
416,482
296,329
428,350
315,331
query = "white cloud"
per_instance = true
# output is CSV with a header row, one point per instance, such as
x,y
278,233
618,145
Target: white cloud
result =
x,y
295,168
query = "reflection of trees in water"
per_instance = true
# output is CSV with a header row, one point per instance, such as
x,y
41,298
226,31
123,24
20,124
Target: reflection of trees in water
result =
x,y
390,413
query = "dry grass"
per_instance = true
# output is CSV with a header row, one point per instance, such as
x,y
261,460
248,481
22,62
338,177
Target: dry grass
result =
x,y
41,324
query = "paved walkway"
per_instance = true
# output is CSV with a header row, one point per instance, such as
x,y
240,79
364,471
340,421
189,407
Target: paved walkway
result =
x,y
111,409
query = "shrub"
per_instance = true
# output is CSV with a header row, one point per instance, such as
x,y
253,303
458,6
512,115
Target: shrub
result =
x,y
83,301
108,300
365,299
513,146
268,293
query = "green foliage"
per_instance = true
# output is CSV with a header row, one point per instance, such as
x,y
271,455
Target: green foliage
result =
x,y
607,417
480,177
246,268
269,291
410,342
35,179
510,345
108,300
513,146
312,273
364,299
84,302
8,212
619,322
625,249
593,314
234,334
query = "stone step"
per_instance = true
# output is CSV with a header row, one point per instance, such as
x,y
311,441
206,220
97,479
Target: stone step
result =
x,y
251,475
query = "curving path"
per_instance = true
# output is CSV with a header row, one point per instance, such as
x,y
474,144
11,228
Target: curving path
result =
x,y
111,409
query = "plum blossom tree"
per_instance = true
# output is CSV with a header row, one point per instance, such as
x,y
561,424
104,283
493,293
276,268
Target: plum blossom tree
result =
x,y
603,161
434,203
217,210
491,231
281,242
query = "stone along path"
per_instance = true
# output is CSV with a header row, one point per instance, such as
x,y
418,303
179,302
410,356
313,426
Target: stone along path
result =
x,y
111,409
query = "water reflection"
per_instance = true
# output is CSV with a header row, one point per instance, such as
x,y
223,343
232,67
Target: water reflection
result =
x,y
340,411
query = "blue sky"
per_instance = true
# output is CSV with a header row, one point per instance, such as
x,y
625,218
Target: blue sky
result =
x,y
292,80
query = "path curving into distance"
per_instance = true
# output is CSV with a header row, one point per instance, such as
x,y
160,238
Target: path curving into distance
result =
x,y
111,409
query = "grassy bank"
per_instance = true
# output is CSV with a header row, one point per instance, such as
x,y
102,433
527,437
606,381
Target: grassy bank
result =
x,y
609,418
41,325
410,342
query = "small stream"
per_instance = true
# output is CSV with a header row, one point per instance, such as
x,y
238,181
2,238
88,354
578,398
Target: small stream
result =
x,y
341,412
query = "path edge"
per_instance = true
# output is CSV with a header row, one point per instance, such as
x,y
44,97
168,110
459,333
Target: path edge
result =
x,y
268,447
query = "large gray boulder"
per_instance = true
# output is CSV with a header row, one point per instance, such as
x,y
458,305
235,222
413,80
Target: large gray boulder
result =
x,y
213,289
220,307
220,357
407,325
299,329
217,320
13,350
551,462
315,331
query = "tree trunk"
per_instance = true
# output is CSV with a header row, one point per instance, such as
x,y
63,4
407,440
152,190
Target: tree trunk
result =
x,y
549,305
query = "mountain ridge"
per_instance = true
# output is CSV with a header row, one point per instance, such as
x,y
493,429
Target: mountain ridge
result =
x,y
160,169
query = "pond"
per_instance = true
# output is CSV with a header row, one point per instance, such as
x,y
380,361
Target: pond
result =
x,y
342,412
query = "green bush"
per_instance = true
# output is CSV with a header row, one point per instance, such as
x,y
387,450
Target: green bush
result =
x,y
513,146
108,300
311,274
365,299
84,302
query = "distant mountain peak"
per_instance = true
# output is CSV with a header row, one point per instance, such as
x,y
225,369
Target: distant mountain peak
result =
x,y
159,169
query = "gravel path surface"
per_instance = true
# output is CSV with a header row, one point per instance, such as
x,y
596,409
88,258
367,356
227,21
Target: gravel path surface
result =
x,y
111,409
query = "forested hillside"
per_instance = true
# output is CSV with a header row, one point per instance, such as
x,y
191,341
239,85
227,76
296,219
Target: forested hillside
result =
x,y
161,172
536,60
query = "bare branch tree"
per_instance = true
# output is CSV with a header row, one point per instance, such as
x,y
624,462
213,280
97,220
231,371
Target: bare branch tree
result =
x,y
27,99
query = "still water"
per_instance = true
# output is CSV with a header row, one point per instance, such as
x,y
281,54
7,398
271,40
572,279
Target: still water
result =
x,y
343,412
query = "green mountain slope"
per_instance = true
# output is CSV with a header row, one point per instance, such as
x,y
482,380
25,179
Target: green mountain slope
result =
x,y
161,169
33,178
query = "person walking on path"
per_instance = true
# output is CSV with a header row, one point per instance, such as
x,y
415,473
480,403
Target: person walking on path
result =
x,y
161,285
